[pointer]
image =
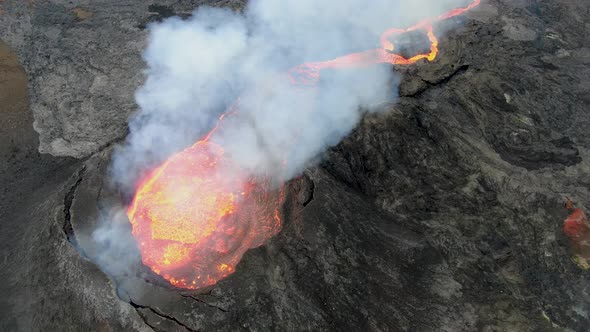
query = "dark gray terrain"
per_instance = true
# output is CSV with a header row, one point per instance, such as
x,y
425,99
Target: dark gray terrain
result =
x,y
441,213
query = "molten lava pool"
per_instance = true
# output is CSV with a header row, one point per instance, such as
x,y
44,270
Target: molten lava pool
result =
x,y
196,214
193,223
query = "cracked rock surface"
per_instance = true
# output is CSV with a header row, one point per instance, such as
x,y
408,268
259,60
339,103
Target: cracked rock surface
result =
x,y
442,212
84,64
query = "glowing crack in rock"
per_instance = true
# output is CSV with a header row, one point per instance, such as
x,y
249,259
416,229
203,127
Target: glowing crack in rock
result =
x,y
193,222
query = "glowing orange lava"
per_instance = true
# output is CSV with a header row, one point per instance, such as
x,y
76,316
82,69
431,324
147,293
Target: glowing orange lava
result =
x,y
195,215
577,228
185,216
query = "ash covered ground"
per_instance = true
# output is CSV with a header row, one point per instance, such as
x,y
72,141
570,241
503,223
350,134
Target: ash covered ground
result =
x,y
443,212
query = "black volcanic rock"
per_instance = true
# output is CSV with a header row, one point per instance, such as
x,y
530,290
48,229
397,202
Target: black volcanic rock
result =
x,y
442,212
412,43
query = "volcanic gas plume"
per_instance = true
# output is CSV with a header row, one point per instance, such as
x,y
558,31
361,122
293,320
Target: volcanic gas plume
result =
x,y
196,213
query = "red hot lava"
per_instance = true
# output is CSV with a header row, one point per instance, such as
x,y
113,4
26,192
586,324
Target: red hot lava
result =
x,y
193,222
577,228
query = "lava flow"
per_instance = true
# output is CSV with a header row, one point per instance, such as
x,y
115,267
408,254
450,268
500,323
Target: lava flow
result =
x,y
196,214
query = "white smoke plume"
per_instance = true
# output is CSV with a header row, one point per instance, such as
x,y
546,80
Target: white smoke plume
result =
x,y
199,66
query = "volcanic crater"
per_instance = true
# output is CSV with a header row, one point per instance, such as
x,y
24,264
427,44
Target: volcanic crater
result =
x,y
443,211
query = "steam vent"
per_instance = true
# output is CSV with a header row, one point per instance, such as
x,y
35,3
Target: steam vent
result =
x,y
295,165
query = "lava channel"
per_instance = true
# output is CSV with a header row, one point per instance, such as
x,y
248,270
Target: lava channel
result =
x,y
193,222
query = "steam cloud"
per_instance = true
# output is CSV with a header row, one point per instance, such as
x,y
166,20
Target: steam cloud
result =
x,y
198,67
